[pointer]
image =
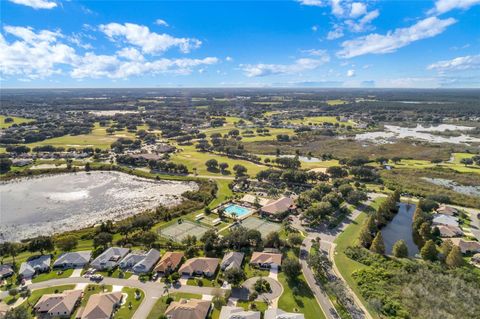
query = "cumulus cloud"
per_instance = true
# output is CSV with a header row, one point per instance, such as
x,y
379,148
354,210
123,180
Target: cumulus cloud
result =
x,y
149,42
229,59
33,54
36,4
358,9
443,6
336,33
351,73
315,3
161,22
378,44
111,66
300,65
363,23
462,63
337,8
40,54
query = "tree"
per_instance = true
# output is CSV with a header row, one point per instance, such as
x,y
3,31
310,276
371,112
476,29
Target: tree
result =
x,y
273,240
41,244
223,166
429,251
240,170
87,167
5,165
211,164
454,258
19,312
67,243
365,237
102,239
466,161
400,249
445,248
148,238
295,239
291,267
378,246
234,276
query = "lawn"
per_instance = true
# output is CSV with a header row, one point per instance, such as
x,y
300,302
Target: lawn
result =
x,y
194,159
53,275
16,120
207,282
320,120
349,237
97,138
161,304
259,305
303,302
335,102
131,304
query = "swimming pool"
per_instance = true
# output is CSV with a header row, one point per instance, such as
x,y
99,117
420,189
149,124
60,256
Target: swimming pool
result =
x,y
238,210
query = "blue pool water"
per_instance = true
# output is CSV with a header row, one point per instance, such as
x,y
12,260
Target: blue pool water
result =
x,y
238,210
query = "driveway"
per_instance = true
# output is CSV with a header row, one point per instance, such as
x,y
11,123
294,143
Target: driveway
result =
x,y
153,290
77,272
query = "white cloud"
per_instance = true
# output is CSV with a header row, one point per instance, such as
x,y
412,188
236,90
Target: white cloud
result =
x,y
315,3
351,73
443,6
111,66
130,54
336,33
228,59
33,55
318,53
161,22
358,9
36,4
149,42
314,28
337,8
378,44
362,24
300,65
462,63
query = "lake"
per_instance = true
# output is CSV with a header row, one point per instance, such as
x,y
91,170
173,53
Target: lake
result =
x,y
55,203
400,228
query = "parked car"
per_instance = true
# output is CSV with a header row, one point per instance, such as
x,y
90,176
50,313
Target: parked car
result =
x,y
96,277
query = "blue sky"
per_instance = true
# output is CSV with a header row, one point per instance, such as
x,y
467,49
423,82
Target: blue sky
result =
x,y
311,43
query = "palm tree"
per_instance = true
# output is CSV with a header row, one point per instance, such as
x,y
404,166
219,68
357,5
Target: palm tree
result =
x,y
166,291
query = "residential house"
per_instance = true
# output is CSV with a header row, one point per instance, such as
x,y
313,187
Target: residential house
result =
x,y
447,210
58,305
200,266
31,267
6,271
100,306
232,260
188,309
109,258
466,246
440,219
140,262
266,260
238,313
280,314
169,262
449,231
278,208
76,259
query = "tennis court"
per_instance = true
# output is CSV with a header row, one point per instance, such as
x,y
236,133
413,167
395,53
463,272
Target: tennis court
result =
x,y
177,232
263,226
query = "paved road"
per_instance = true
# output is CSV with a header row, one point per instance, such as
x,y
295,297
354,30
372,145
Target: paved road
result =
x,y
327,238
153,290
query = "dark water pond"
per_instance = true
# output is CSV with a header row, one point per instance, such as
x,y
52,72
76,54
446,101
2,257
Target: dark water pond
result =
x,y
401,228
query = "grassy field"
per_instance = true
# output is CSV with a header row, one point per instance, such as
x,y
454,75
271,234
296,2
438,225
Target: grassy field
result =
x,y
97,138
455,165
335,102
349,237
303,302
161,304
194,159
16,120
320,120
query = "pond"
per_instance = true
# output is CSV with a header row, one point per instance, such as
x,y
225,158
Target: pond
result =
x,y
305,159
448,183
401,228
393,132
54,203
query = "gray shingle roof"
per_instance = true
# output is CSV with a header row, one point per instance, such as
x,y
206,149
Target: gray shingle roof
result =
x,y
231,260
76,258
109,258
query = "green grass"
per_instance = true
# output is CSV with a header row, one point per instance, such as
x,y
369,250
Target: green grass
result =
x,y
254,272
207,282
304,302
259,305
349,237
53,275
16,120
97,138
161,304
126,311
335,102
320,120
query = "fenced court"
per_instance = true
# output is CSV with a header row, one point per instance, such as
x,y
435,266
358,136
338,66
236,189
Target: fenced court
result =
x,y
177,232
263,226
